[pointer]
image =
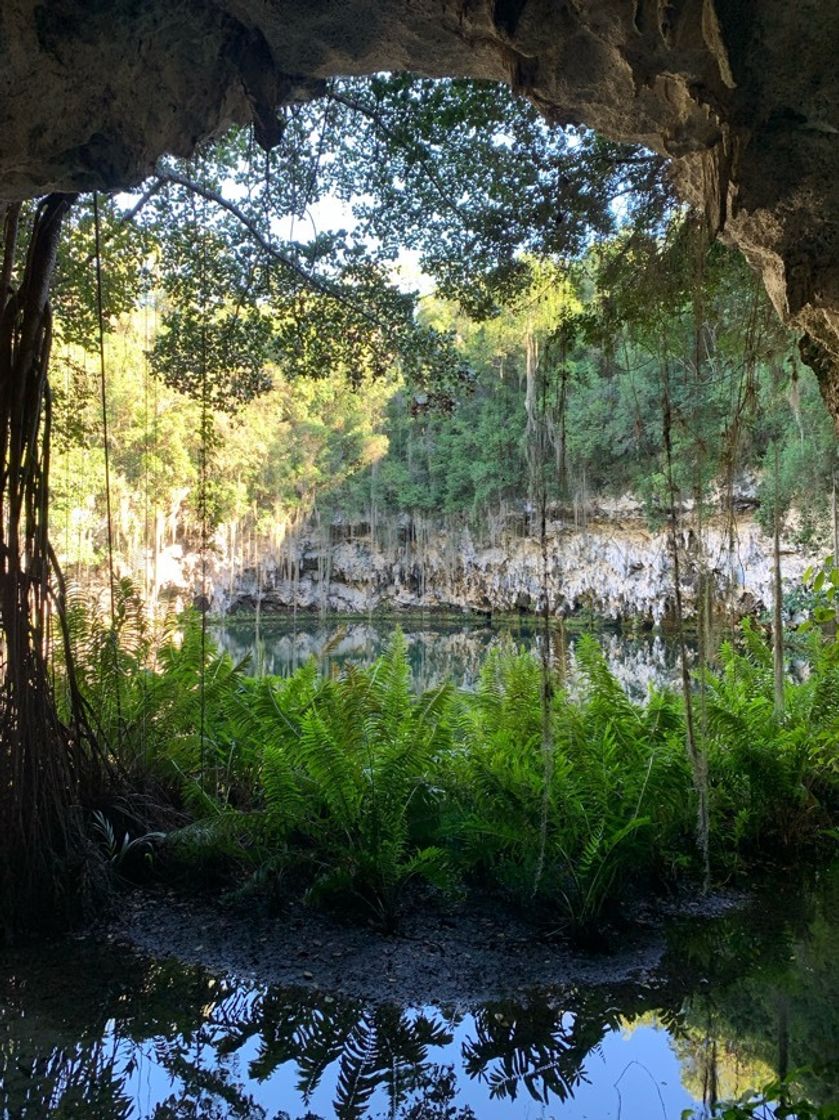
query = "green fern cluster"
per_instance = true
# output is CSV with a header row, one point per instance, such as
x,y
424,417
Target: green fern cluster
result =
x,y
329,779
348,777
351,787
614,793
165,705
773,775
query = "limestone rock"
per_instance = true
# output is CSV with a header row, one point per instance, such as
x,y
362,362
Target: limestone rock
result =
x,y
617,567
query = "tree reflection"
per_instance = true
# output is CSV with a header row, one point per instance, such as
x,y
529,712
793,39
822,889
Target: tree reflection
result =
x,y
80,1081
766,1004
380,1047
81,1035
73,1035
79,1056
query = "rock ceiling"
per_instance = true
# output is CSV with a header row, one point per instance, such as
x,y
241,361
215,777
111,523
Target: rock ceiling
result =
x,y
744,96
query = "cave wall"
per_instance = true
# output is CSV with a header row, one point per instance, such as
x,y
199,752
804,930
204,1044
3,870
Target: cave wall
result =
x,y
615,565
743,96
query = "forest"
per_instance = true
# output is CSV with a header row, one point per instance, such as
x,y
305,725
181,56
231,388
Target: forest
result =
x,y
513,316
362,446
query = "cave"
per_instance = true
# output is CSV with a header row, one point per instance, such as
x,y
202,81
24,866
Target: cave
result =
x,y
745,107
744,102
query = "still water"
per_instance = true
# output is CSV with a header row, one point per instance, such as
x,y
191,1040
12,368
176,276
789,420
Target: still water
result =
x,y
98,1032
437,650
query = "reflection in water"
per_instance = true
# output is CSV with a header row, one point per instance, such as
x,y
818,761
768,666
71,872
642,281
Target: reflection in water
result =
x,y
437,650
97,1033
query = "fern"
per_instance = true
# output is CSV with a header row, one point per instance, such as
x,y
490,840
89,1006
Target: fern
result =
x,y
352,768
357,786
773,778
618,792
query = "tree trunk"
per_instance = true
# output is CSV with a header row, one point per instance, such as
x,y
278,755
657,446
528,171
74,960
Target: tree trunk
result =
x,y
45,763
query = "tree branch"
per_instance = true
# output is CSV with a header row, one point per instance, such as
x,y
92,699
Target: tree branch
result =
x,y
316,283
146,196
389,134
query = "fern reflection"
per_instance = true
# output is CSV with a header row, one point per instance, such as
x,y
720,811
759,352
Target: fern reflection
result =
x,y
96,1032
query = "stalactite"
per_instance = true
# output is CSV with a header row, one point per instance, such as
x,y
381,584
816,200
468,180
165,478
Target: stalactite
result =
x,y
295,577
321,561
326,575
259,645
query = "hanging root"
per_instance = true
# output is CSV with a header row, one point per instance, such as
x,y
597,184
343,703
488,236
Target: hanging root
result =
x,y
45,764
696,754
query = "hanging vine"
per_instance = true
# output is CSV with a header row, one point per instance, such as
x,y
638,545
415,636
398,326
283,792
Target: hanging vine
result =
x,y
106,446
545,437
698,759
199,225
537,440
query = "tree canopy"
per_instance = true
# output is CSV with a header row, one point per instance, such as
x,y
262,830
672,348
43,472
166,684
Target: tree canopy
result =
x,y
531,236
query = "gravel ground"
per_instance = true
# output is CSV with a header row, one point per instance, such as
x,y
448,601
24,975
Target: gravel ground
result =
x,y
461,956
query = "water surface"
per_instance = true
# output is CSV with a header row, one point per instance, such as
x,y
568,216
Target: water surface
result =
x,y
437,649
98,1032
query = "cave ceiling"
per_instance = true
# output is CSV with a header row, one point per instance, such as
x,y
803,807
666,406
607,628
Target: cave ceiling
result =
x,y
743,95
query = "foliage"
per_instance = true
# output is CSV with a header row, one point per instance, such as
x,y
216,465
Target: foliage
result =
x,y
266,466
770,774
375,440
463,173
364,752
772,1102
604,342
117,851
473,179
821,595
618,783
349,788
